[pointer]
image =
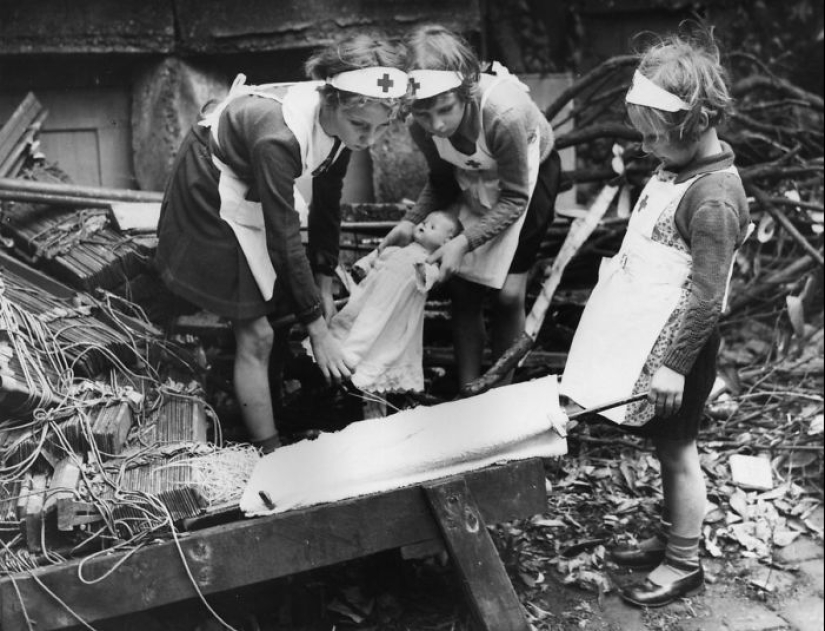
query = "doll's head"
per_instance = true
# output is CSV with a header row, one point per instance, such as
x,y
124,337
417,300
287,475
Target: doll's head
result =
x,y
437,228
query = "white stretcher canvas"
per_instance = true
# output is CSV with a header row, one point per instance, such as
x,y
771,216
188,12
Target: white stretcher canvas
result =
x,y
510,423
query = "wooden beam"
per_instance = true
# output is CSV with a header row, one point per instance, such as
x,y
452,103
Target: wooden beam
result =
x,y
489,591
243,553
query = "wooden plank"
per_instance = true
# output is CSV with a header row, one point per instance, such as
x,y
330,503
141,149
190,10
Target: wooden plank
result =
x,y
16,126
489,590
229,556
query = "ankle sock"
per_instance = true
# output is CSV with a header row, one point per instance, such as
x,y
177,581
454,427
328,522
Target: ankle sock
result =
x,y
268,445
681,559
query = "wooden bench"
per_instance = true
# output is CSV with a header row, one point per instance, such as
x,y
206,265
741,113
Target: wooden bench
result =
x,y
453,511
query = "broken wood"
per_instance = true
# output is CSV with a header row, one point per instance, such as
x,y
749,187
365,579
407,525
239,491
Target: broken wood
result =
x,y
579,232
491,596
765,201
74,191
229,556
15,127
12,162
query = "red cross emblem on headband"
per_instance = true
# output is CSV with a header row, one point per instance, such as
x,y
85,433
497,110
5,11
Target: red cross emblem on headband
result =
x,y
473,164
415,85
385,83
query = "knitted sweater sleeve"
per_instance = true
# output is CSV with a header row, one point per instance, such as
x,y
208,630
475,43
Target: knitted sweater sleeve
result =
x,y
509,137
711,218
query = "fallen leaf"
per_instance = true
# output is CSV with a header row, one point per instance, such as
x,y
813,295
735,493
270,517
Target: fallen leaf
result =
x,y
739,502
784,538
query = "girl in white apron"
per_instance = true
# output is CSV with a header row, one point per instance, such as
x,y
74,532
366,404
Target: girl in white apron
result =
x,y
650,324
229,232
490,153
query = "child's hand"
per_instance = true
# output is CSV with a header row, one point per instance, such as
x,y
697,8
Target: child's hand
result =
x,y
325,285
449,256
327,352
666,390
400,235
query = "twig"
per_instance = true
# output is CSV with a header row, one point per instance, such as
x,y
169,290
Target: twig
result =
x,y
606,68
595,132
781,446
786,201
765,201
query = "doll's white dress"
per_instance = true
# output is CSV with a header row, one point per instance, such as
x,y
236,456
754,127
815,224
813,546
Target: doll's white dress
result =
x,y
381,327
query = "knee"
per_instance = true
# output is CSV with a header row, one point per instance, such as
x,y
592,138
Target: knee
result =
x,y
677,456
509,300
254,340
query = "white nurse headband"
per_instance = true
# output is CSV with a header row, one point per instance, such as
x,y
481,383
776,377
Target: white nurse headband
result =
x,y
376,81
427,83
645,92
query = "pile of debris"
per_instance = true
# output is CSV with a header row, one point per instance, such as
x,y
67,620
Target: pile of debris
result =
x,y
106,438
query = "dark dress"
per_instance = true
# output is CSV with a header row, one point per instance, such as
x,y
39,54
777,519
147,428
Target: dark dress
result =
x,y
198,255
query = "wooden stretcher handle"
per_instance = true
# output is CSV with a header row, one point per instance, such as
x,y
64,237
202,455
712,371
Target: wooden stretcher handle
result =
x,y
608,405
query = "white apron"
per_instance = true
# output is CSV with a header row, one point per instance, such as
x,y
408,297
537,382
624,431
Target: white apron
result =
x,y
477,175
638,290
301,105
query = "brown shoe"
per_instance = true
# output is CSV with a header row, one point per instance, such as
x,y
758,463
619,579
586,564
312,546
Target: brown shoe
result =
x,y
649,594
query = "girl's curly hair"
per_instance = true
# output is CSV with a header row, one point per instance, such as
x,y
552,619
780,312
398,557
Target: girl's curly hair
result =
x,y
690,67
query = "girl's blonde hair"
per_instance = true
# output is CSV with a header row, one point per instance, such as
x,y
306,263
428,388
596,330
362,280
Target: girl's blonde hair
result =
x,y
689,67
359,51
434,47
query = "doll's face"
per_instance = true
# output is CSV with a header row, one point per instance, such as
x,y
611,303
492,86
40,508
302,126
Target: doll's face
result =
x,y
436,229
443,117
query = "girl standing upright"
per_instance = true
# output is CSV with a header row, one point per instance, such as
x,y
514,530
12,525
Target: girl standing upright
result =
x,y
229,232
651,322
489,149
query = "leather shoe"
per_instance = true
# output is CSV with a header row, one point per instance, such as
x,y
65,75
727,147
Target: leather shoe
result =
x,y
650,594
636,558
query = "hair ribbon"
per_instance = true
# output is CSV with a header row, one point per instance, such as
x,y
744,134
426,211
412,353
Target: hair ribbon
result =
x,y
645,92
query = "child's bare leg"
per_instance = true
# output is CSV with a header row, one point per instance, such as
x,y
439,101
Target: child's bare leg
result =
x,y
468,328
253,342
508,317
685,499
680,574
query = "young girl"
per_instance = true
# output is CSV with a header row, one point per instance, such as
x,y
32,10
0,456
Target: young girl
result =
x,y
229,233
651,322
381,327
488,146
